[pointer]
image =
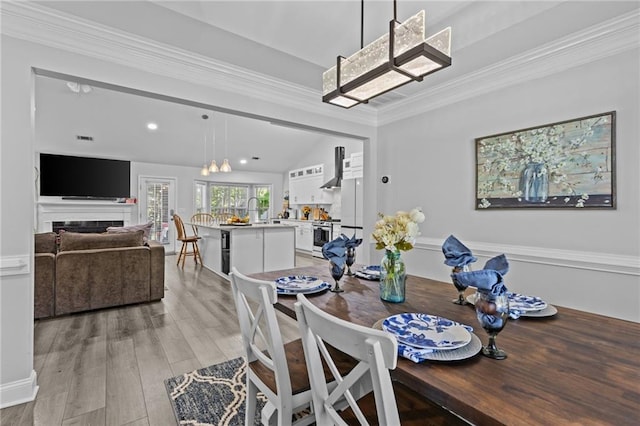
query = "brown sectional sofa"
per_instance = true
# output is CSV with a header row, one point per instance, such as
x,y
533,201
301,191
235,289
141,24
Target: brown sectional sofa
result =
x,y
92,271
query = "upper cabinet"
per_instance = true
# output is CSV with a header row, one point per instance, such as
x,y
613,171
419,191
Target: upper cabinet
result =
x,y
352,167
304,186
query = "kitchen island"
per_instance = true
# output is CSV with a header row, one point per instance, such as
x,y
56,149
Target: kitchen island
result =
x,y
251,248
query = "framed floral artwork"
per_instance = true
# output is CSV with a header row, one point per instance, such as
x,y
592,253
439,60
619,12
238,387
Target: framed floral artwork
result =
x,y
569,164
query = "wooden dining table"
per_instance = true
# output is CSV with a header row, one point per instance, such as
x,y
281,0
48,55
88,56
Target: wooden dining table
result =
x,y
572,368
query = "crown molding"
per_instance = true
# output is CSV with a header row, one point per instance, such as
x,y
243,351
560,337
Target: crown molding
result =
x,y
606,39
38,24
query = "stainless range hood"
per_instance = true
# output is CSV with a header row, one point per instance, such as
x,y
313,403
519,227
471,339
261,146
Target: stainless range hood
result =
x,y
336,180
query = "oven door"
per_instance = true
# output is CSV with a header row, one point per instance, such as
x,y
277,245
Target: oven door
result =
x,y
321,236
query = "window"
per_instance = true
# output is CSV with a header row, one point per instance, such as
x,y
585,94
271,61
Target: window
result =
x,y
200,202
230,199
263,194
233,199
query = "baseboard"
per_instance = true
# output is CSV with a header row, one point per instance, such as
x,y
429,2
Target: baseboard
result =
x,y
604,262
19,392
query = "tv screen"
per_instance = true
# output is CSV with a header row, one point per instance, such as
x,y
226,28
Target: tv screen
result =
x,y
68,176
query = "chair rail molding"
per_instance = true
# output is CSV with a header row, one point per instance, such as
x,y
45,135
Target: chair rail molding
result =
x,y
603,262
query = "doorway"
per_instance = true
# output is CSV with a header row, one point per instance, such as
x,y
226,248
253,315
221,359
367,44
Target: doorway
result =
x,y
157,204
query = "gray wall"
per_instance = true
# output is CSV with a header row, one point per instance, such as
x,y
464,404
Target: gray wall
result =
x,y
587,259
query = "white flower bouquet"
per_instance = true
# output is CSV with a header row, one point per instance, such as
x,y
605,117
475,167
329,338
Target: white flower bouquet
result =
x,y
398,232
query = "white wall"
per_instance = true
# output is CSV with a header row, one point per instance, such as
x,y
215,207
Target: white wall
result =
x,y
17,199
585,259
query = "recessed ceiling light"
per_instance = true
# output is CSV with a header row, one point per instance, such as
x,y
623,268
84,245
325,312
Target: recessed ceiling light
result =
x,y
152,126
255,158
243,161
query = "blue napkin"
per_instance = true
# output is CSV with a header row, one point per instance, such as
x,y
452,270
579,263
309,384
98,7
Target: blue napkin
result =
x,y
334,251
414,354
498,263
352,242
456,253
486,280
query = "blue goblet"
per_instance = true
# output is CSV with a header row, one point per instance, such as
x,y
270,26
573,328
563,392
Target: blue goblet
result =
x,y
492,312
336,272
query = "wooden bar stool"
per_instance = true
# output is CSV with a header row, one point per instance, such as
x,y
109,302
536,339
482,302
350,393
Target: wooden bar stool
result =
x,y
186,240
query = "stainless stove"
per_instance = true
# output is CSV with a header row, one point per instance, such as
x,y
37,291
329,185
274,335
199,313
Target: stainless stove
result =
x,y
322,234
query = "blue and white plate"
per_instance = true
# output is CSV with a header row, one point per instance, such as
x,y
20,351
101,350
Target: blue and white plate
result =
x,y
298,283
524,303
427,331
322,287
371,272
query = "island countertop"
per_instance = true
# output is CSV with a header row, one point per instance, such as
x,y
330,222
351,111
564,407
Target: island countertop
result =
x,y
255,247
230,227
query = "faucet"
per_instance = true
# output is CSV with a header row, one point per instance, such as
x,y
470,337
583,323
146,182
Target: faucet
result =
x,y
252,210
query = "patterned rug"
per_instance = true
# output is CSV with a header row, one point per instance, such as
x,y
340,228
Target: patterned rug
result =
x,y
213,395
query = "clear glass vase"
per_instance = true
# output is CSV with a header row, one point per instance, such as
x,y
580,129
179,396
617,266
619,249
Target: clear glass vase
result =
x,y
534,183
392,277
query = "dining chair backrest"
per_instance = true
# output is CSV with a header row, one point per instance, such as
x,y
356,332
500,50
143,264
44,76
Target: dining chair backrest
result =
x,y
375,350
177,220
201,218
262,340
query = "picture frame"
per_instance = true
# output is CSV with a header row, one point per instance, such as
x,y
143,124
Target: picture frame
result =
x,y
564,165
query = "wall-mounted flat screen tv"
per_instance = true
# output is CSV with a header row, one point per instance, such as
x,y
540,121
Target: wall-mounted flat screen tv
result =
x,y
69,176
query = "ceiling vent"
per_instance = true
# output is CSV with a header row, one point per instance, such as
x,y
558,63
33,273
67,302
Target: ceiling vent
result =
x,y
84,138
336,180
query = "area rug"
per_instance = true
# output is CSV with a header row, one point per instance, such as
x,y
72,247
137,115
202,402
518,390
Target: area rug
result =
x,y
213,395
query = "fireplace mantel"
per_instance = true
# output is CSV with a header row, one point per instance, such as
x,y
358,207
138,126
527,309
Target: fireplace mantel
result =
x,y
58,211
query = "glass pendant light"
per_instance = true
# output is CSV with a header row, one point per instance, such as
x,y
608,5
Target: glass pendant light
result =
x,y
205,170
225,167
393,60
213,167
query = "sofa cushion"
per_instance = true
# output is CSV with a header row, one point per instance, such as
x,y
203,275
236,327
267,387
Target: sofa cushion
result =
x,y
82,241
145,227
45,243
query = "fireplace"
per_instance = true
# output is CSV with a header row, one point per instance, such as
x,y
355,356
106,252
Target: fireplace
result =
x,y
79,216
85,225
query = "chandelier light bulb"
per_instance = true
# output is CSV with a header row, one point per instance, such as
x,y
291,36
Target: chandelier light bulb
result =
x,y
213,168
204,171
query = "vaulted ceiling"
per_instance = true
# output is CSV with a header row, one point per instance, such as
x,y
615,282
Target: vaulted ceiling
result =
x,y
292,42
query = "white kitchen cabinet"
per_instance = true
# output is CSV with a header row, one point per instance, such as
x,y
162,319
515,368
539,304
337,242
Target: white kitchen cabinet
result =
x,y
275,257
247,250
304,237
303,234
304,186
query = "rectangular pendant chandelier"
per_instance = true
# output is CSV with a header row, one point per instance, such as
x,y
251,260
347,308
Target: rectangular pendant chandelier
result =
x,y
393,60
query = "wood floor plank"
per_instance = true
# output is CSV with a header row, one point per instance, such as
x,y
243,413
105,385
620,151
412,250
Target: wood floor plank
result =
x,y
125,400
87,390
92,418
44,335
202,345
45,411
140,422
11,416
185,366
173,342
160,412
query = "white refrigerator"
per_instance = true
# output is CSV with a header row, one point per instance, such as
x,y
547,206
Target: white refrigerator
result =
x,y
351,192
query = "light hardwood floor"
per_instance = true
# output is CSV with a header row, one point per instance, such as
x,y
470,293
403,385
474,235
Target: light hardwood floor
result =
x,y
108,367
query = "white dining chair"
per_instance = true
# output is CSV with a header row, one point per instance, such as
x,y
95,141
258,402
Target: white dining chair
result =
x,y
276,369
376,352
